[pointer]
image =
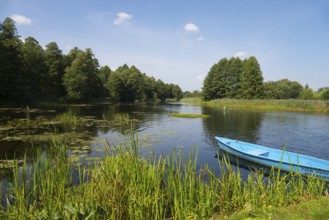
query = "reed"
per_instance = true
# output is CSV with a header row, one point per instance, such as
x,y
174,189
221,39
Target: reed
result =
x,y
28,119
121,119
126,186
187,115
319,106
68,120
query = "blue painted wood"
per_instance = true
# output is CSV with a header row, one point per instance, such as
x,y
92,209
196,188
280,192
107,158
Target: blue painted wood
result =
x,y
279,159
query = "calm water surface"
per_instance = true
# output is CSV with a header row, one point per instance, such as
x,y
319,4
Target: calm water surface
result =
x,y
159,133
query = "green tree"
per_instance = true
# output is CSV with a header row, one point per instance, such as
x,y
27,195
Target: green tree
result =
x,y
223,80
324,94
54,61
282,89
307,94
150,88
295,88
34,70
10,62
214,84
233,77
115,85
126,85
221,75
135,85
80,79
161,90
251,79
103,75
209,85
177,92
196,93
71,56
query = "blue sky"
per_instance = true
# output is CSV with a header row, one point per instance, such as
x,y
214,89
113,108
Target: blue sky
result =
x,y
178,41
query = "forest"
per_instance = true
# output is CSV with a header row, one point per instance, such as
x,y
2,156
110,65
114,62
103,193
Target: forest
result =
x,y
242,79
30,73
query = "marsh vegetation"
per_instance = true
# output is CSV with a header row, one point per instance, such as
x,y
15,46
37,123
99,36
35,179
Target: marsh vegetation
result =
x,y
123,185
131,161
188,115
297,105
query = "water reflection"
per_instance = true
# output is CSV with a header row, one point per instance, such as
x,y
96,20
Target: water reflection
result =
x,y
302,133
234,124
160,134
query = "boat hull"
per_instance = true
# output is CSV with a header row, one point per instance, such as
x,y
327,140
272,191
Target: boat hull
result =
x,y
273,158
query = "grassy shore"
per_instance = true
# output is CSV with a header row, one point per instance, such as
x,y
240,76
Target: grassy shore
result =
x,y
188,115
316,106
125,186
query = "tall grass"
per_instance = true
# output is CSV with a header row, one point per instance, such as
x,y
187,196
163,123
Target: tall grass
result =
x,y
28,119
266,104
125,186
121,119
188,115
68,120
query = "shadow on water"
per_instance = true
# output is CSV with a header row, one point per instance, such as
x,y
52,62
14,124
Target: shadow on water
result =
x,y
241,165
230,123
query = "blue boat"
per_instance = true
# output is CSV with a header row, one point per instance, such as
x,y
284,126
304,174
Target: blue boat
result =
x,y
278,159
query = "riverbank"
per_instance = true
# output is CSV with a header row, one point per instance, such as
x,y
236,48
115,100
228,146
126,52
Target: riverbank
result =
x,y
295,105
123,185
312,209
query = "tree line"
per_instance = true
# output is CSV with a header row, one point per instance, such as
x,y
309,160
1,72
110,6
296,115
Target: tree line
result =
x,y
30,73
242,79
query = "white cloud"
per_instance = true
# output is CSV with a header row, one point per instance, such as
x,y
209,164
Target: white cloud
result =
x,y
190,27
240,54
199,39
200,77
20,19
121,18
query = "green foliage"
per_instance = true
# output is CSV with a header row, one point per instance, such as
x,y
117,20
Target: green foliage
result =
x,y
68,120
251,79
11,80
125,186
223,79
161,90
103,75
283,89
307,94
242,79
324,94
34,70
265,104
28,74
80,79
128,84
187,115
195,93
233,78
209,86
54,61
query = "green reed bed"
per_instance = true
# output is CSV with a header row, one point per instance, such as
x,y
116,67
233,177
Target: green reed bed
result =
x,y
265,104
121,119
68,120
188,115
124,186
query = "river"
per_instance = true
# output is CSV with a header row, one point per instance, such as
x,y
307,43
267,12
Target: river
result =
x,y
160,134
